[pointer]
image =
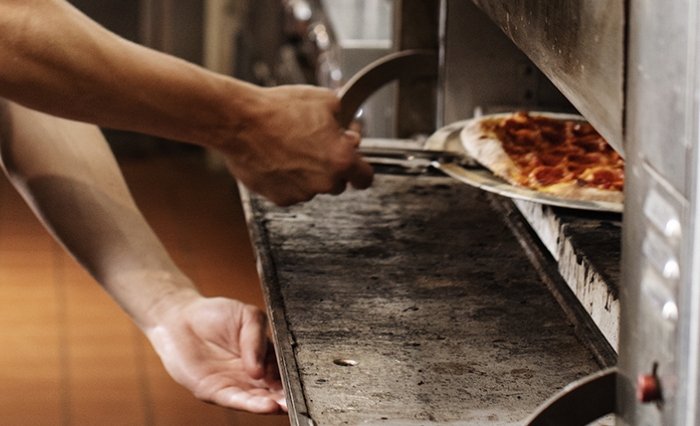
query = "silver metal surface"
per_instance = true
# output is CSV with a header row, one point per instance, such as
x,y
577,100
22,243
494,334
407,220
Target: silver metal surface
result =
x,y
660,317
579,45
427,157
349,35
416,24
483,70
367,20
580,403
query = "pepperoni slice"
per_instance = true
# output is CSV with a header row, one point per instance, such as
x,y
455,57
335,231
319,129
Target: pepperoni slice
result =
x,y
554,135
583,129
551,158
604,179
525,138
545,175
582,159
550,151
591,143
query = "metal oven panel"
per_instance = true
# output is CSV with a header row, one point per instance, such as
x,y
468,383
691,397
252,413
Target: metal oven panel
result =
x,y
660,87
360,33
483,71
659,321
579,45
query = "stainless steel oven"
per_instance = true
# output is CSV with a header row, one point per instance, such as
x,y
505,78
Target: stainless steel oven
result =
x,y
631,69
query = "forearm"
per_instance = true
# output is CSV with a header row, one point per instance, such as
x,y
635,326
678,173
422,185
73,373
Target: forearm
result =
x,y
284,142
61,62
66,172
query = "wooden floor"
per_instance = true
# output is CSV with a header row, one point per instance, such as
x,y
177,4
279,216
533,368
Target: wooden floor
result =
x,y
68,355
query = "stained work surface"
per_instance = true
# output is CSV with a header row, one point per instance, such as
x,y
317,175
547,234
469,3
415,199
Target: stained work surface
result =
x,y
411,303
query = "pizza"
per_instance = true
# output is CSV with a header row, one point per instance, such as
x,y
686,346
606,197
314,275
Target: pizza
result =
x,y
561,157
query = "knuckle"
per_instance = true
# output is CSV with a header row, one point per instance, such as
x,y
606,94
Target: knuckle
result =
x,y
283,202
307,197
327,187
254,313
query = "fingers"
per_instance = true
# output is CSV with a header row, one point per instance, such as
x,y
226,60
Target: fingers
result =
x,y
359,173
351,168
339,187
323,160
362,176
258,401
282,402
253,342
353,138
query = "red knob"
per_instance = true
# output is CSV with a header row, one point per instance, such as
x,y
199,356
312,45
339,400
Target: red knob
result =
x,y
648,388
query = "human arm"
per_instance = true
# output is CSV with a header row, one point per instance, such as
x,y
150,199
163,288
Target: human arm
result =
x,y
217,347
283,142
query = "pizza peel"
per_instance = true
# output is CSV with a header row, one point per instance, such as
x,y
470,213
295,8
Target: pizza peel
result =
x,y
402,65
580,403
443,150
468,171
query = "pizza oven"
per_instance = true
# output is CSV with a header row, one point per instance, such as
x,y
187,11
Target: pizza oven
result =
x,y
626,279
630,68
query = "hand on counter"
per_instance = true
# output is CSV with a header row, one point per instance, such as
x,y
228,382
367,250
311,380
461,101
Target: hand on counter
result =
x,y
65,170
292,147
218,349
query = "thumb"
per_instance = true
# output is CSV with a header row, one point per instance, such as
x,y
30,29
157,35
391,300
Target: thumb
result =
x,y
361,175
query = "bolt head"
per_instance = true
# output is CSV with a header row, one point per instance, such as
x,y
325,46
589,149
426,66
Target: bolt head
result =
x,y
648,388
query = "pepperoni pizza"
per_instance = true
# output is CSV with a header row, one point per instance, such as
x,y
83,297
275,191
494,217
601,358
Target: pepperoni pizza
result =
x,y
565,158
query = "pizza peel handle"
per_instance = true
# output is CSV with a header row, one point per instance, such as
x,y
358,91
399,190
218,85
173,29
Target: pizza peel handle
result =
x,y
399,65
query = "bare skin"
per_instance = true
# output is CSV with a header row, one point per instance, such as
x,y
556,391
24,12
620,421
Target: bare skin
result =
x,y
217,348
284,142
60,71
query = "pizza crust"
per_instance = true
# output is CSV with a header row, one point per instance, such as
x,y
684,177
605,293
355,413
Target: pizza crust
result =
x,y
573,191
487,150
483,145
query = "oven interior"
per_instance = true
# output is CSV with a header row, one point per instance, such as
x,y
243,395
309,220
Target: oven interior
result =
x,y
630,68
